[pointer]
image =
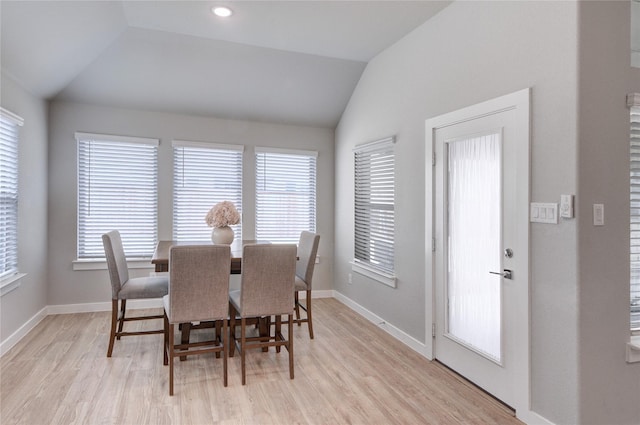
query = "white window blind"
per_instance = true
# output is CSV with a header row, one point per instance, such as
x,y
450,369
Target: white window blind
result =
x,y
285,194
635,210
117,190
9,126
374,205
203,175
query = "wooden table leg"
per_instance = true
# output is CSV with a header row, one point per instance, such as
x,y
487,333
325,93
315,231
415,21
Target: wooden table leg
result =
x,y
264,328
186,332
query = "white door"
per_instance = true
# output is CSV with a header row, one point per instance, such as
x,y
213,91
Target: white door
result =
x,y
480,226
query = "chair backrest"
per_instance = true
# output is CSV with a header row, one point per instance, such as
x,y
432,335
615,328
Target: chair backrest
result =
x,y
307,252
116,261
268,278
199,282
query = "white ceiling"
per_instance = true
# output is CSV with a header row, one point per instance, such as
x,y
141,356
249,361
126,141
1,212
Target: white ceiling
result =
x,y
294,62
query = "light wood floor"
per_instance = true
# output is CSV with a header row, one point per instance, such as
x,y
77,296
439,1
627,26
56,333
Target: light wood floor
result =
x,y
351,373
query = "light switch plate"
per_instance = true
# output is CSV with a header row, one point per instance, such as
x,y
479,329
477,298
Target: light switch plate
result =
x,y
544,212
566,206
598,214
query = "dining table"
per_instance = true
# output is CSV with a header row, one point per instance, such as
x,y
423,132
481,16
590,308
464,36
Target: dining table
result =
x,y
160,258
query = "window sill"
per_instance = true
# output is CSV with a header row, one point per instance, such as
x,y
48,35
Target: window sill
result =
x,y
633,349
136,263
370,272
10,283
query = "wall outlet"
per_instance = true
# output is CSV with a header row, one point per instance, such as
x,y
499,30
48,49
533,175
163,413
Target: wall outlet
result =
x,y
350,278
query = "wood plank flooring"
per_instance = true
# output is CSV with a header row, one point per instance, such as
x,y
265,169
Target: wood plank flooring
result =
x,y
351,373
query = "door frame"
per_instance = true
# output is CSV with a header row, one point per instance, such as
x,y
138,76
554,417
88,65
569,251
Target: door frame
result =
x,y
519,102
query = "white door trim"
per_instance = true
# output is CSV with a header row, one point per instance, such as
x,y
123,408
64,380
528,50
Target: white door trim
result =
x,y
520,102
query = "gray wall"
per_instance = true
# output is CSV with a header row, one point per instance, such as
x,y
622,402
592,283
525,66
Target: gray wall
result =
x,y
71,287
471,52
609,387
22,304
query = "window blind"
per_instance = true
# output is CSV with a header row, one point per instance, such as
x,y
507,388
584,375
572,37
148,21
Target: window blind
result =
x,y
203,175
117,190
9,127
374,205
635,216
285,194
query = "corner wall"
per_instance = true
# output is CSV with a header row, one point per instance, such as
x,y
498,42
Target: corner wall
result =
x,y
21,305
609,387
468,53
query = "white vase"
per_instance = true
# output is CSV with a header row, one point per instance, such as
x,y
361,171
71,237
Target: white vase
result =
x,y
222,235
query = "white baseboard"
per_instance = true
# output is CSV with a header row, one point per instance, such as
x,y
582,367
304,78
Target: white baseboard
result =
x,y
322,293
398,334
15,337
532,418
104,306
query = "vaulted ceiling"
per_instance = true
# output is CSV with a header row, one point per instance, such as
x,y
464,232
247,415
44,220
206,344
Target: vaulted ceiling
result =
x,y
294,62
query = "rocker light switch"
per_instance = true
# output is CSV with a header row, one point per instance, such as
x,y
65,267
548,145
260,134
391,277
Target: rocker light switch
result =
x,y
544,212
598,214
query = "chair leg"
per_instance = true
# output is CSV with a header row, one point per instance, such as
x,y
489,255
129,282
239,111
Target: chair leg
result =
x,y
243,324
123,307
165,349
171,356
225,349
297,305
264,329
290,346
278,332
309,322
114,320
232,330
218,335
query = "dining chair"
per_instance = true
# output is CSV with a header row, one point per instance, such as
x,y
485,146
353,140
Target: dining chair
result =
x,y
307,252
198,292
266,289
124,288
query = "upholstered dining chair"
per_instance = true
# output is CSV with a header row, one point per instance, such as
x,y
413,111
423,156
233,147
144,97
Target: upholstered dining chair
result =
x,y
266,289
198,292
124,288
307,252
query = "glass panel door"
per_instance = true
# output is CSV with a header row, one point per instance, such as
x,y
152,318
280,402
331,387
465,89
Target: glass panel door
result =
x,y
474,243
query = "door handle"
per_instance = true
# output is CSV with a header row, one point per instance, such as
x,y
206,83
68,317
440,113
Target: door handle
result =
x,y
507,274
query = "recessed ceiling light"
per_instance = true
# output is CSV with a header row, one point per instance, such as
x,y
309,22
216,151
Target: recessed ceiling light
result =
x,y
223,12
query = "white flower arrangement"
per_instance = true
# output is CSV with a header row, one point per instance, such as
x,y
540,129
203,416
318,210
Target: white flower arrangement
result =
x,y
223,214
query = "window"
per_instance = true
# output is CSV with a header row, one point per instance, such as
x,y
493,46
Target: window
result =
x,y
117,190
374,210
634,103
9,125
203,175
285,194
